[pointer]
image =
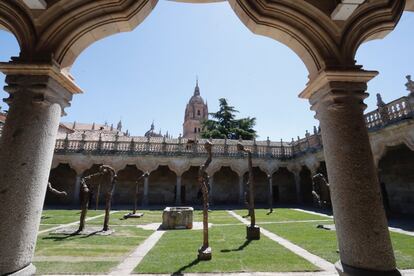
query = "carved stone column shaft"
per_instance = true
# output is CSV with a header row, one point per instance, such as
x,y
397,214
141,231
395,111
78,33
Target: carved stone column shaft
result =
x,y
27,144
178,191
361,225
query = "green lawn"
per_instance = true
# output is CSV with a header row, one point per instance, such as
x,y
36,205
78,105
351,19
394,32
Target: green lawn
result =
x,y
58,253
324,244
177,252
216,217
280,215
118,218
64,216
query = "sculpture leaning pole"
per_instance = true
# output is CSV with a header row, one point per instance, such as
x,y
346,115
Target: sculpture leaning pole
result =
x,y
204,252
85,191
252,231
134,213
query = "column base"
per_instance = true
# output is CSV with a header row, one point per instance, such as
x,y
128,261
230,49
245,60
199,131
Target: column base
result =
x,y
204,254
346,270
26,271
253,232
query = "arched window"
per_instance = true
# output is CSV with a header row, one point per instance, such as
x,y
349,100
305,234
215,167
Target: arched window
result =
x,y
195,130
198,112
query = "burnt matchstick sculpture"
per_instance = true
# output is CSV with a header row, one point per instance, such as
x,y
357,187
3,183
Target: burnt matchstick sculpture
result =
x,y
134,213
252,231
204,252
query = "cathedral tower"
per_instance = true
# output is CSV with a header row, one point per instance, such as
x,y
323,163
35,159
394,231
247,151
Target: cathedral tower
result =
x,y
195,112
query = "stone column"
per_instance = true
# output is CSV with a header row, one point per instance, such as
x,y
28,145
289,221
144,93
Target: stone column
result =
x,y
145,196
270,179
77,189
38,94
361,226
178,189
241,189
298,187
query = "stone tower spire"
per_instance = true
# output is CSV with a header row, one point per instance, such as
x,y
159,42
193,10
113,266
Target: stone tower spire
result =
x,y
196,111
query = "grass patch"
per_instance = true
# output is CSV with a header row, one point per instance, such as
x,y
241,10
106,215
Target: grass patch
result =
x,y
216,217
176,252
69,249
324,243
404,250
65,216
118,218
317,241
280,214
75,267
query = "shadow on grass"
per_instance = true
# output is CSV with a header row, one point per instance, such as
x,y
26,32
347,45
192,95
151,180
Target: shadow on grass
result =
x,y
270,212
179,272
240,248
60,238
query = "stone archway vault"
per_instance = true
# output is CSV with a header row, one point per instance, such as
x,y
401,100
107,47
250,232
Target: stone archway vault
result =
x,y
52,34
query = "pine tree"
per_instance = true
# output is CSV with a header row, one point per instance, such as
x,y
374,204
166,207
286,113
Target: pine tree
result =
x,y
225,125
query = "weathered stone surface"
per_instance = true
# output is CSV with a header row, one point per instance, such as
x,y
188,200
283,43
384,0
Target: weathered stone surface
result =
x,y
177,218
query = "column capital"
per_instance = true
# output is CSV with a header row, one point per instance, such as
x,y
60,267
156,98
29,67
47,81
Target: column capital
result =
x,y
330,77
44,82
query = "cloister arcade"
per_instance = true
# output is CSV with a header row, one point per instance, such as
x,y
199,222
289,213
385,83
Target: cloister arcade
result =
x,y
324,34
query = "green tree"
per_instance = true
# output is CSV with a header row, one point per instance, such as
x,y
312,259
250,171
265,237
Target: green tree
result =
x,y
224,124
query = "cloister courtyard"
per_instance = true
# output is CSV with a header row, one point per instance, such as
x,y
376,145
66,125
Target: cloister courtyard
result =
x,y
290,242
337,200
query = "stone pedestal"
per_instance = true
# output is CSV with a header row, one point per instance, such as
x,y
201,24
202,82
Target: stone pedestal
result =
x,y
345,270
132,215
204,254
27,144
361,225
177,218
253,232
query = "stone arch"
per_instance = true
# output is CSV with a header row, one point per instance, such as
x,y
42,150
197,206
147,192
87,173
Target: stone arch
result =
x,y
162,183
396,176
286,183
14,19
261,188
190,182
125,189
62,178
306,185
225,186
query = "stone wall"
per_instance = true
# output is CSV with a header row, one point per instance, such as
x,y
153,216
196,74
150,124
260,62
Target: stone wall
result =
x,y
63,179
125,189
226,187
286,183
396,173
192,187
162,183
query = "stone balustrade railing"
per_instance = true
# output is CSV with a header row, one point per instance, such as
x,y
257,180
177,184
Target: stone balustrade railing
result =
x,y
222,148
390,113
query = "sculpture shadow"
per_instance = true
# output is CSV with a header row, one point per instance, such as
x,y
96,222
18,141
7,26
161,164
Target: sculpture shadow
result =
x,y
240,248
180,271
270,212
60,238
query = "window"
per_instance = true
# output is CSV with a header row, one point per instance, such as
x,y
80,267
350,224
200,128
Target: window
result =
x,y
198,112
195,130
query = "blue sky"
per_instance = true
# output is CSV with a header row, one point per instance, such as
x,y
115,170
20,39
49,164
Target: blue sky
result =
x,y
149,74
